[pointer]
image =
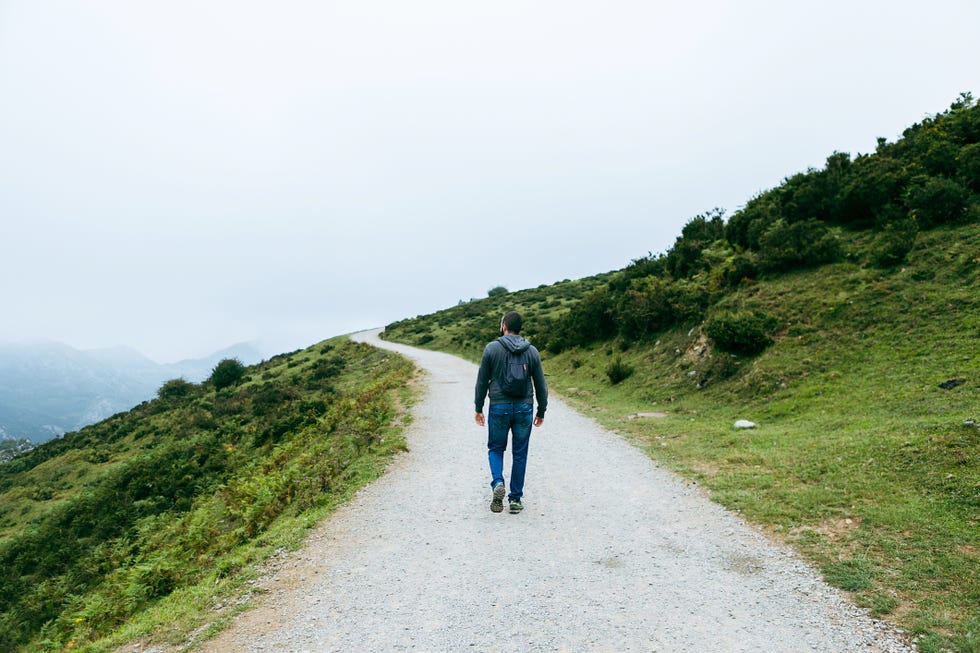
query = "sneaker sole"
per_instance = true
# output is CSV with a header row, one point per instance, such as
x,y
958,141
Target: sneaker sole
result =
x,y
497,505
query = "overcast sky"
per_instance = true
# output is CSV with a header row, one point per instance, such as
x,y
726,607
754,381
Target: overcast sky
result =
x,y
178,176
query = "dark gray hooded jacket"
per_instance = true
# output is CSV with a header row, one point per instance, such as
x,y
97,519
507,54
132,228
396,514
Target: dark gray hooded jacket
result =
x,y
495,357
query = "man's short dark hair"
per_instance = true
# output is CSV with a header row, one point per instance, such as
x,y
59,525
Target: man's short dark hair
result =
x,y
513,321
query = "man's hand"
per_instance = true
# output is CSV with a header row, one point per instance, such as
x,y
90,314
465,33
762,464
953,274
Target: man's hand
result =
x,y
538,421
480,419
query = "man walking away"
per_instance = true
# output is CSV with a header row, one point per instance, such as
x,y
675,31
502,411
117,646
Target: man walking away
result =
x,y
510,367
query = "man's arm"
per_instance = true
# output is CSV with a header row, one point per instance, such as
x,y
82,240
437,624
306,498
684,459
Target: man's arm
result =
x,y
482,386
540,388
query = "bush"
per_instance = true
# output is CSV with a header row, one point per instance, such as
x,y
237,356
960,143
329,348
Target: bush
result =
x,y
227,372
968,166
618,371
686,257
271,396
786,246
590,320
875,182
745,228
175,389
894,243
647,266
738,268
934,201
497,291
814,193
741,332
328,368
653,304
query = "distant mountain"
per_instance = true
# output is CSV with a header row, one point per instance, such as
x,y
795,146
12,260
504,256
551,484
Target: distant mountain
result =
x,y
48,388
198,369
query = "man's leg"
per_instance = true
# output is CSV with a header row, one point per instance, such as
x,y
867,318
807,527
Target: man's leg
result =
x,y
521,428
498,427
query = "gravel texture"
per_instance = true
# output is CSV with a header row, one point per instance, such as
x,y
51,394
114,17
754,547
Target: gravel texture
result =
x,y
611,553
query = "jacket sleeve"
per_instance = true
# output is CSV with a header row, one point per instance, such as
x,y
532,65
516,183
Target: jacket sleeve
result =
x,y
483,380
540,385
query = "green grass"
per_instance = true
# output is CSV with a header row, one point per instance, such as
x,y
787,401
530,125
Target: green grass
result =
x,y
860,460
140,526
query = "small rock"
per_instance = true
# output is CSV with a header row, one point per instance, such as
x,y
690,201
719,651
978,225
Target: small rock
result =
x,y
952,383
641,415
744,424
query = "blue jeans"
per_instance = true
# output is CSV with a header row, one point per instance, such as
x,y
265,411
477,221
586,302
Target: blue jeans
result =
x,y
515,419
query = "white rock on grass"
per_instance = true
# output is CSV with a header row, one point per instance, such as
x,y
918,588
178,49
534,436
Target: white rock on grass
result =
x,y
744,424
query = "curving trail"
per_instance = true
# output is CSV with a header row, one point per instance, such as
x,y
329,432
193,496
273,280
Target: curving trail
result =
x,y
611,553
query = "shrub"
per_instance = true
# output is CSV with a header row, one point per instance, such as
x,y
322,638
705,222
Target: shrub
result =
x,y
175,389
271,396
742,332
786,246
328,368
875,182
227,372
934,201
654,304
894,243
618,371
813,194
590,320
686,257
738,268
689,299
746,226
645,308
647,266
497,291
968,166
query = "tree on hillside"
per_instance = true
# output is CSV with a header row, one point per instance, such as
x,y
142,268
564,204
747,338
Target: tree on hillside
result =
x,y
175,389
497,291
684,258
227,372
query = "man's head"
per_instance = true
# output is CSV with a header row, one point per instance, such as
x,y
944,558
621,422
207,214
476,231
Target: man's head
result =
x,y
512,322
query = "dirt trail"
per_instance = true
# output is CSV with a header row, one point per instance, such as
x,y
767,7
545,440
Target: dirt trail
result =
x,y
611,553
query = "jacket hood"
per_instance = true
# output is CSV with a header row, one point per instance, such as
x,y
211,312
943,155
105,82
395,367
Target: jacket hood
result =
x,y
514,343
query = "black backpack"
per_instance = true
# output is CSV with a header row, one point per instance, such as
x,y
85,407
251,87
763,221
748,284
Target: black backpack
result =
x,y
516,378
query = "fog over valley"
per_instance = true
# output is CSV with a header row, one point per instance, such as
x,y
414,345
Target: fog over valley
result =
x,y
49,388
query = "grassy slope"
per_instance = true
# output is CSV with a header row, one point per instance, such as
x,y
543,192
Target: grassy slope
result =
x,y
140,525
860,460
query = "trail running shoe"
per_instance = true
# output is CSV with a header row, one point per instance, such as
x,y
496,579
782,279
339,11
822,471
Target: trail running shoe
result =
x,y
497,505
516,506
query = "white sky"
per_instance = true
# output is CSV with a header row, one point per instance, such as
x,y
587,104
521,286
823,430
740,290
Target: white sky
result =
x,y
181,175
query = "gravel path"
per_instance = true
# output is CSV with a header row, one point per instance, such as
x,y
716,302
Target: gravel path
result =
x,y
611,553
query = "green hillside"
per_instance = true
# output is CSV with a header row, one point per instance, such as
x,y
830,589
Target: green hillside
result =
x,y
143,523
839,312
